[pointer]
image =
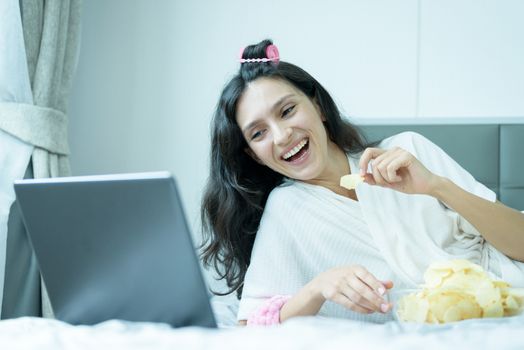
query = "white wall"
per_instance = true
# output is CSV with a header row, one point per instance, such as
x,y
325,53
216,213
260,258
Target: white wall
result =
x,y
150,72
471,55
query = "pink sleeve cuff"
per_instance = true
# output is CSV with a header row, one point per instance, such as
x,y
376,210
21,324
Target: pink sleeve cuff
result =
x,y
269,313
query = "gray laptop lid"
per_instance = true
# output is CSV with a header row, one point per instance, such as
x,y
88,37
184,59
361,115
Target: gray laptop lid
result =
x,y
115,247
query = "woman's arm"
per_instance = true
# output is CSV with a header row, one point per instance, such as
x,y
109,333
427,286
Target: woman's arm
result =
x,y
350,286
400,170
500,225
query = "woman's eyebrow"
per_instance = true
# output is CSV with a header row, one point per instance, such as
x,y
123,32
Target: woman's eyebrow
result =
x,y
280,101
273,108
250,125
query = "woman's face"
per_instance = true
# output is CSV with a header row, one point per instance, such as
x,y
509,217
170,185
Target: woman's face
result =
x,y
283,129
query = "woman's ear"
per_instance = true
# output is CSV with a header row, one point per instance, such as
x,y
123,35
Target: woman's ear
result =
x,y
252,154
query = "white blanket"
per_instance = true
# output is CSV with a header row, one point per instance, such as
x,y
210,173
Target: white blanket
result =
x,y
299,333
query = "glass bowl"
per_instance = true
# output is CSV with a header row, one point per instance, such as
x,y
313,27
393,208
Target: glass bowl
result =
x,y
394,297
513,307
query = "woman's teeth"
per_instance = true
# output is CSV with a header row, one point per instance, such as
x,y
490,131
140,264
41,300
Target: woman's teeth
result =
x,y
296,149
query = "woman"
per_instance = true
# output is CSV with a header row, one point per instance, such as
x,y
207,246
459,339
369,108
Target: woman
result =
x,y
287,238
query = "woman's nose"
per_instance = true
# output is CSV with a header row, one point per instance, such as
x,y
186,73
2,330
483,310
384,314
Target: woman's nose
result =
x,y
282,135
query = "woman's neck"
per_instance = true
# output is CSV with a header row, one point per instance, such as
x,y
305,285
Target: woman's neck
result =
x,y
338,166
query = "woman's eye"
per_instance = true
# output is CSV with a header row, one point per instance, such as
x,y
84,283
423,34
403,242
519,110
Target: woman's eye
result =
x,y
256,135
287,111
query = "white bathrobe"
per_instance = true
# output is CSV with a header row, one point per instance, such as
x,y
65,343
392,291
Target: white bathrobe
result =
x,y
308,229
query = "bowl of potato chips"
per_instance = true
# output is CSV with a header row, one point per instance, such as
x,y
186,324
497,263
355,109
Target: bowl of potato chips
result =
x,y
453,291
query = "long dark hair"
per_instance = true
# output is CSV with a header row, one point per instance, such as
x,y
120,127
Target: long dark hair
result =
x,y
238,187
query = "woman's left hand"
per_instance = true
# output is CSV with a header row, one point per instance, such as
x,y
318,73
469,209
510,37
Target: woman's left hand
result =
x,y
397,169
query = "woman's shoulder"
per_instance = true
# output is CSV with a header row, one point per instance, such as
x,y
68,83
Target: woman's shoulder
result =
x,y
285,191
290,195
283,202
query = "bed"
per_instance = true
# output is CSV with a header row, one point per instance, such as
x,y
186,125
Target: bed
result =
x,y
490,151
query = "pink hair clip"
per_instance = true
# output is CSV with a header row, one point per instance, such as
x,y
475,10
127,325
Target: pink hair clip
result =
x,y
271,55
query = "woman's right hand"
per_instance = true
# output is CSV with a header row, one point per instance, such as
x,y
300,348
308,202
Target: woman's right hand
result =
x,y
355,288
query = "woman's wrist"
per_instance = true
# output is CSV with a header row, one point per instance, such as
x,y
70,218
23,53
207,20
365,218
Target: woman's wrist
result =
x,y
269,313
314,291
438,187
307,302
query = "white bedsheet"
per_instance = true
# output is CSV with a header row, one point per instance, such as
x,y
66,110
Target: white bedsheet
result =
x,y
299,333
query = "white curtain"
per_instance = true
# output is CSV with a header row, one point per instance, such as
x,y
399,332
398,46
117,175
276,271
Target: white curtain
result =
x,y
14,88
51,31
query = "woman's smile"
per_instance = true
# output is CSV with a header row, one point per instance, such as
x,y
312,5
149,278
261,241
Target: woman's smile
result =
x,y
298,152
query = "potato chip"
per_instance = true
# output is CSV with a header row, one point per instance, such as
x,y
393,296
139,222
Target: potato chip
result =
x,y
413,307
456,265
351,181
452,314
440,302
457,290
493,310
500,284
434,278
469,309
487,296
510,303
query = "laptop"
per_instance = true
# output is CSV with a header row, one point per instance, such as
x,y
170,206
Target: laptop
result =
x,y
115,247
